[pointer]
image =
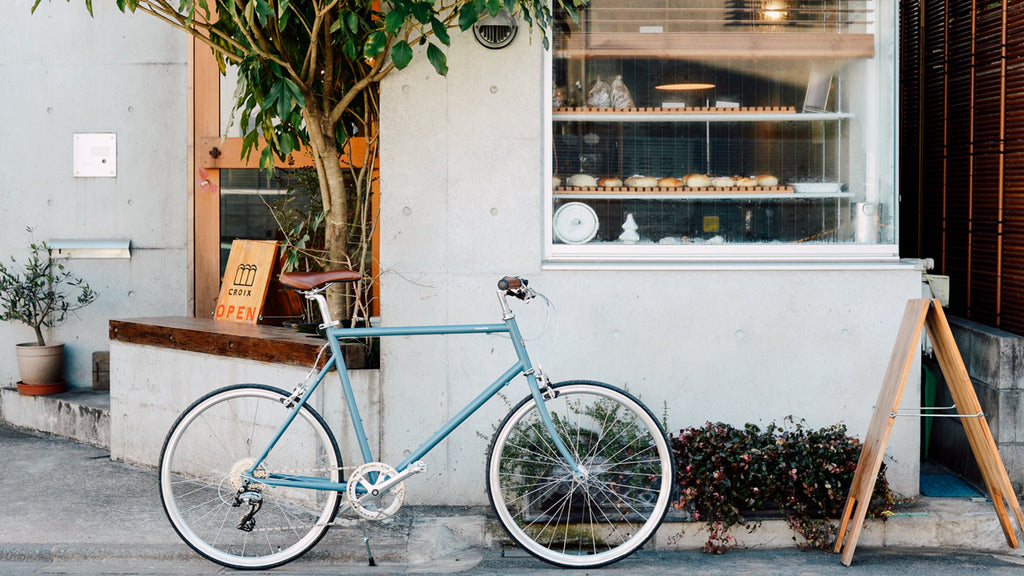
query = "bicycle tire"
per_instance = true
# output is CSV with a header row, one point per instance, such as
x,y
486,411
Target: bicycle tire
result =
x,y
218,437
581,522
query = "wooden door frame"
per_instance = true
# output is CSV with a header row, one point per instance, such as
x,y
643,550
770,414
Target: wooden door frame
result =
x,y
208,154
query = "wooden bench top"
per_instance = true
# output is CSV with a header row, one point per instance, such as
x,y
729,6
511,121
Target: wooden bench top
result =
x,y
208,336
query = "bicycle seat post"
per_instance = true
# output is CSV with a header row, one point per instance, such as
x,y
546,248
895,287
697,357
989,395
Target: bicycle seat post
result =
x,y
317,295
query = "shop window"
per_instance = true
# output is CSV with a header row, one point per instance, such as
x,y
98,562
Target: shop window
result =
x,y
722,129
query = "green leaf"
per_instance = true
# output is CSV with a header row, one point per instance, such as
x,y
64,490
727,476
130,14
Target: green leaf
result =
x,y
440,31
375,44
394,20
264,11
468,15
285,143
349,49
295,92
267,159
437,59
353,22
493,7
423,11
401,54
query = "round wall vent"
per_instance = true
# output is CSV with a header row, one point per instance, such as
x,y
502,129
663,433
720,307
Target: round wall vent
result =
x,y
495,31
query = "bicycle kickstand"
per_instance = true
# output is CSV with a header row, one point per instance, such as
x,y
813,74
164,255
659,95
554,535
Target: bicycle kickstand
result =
x,y
366,541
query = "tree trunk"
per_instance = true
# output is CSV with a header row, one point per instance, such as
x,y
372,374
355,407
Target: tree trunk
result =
x,y
327,160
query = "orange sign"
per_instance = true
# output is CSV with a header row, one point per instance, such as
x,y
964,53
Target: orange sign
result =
x,y
246,278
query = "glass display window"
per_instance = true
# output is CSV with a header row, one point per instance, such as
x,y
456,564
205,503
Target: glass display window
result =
x,y
721,129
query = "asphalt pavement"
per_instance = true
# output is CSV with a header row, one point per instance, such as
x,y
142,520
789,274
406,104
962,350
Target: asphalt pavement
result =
x,y
66,508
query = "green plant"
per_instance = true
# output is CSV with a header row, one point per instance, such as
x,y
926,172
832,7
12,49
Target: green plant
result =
x,y
39,292
725,473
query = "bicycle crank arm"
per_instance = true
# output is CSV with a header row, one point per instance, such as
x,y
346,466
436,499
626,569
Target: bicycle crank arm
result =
x,y
414,468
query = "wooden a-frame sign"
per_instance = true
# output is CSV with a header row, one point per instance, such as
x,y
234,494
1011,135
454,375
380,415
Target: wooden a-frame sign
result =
x,y
927,313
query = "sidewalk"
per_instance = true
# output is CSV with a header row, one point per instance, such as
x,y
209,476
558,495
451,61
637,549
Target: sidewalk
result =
x,y
61,501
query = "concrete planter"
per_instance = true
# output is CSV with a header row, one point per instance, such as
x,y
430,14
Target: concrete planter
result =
x,y
41,368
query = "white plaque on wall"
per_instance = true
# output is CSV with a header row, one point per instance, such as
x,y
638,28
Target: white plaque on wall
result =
x,y
95,155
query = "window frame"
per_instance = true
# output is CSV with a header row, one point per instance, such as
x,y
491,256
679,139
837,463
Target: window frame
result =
x,y
756,254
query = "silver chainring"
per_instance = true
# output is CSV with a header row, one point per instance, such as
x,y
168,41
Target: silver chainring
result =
x,y
367,499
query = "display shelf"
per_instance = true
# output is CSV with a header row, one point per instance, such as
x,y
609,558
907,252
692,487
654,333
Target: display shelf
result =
x,y
695,114
682,193
691,45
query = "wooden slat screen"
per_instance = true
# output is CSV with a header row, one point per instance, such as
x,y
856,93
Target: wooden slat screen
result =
x,y
962,150
910,127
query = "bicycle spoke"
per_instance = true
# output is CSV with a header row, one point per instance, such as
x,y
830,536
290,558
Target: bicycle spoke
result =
x,y
243,524
600,513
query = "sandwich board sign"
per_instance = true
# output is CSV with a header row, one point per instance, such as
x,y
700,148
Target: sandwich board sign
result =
x,y
926,314
243,289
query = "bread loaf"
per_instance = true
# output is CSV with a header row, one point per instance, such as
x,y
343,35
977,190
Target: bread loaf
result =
x,y
698,181
641,182
582,180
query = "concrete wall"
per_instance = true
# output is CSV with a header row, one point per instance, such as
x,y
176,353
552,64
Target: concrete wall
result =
x,y
462,205
995,361
151,386
63,73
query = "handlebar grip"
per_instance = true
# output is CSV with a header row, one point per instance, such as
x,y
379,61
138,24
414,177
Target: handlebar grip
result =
x,y
511,283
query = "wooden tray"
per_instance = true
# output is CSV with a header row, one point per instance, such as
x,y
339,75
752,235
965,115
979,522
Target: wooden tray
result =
x,y
738,190
687,110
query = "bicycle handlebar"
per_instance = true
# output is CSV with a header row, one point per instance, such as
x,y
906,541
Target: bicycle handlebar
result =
x,y
511,283
515,286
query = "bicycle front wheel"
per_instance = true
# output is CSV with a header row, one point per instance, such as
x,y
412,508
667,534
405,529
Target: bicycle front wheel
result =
x,y
235,521
608,508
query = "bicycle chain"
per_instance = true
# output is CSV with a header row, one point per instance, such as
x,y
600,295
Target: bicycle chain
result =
x,y
346,505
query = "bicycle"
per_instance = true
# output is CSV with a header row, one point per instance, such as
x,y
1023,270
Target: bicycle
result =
x,y
579,473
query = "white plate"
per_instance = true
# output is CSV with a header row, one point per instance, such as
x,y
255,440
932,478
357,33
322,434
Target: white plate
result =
x,y
817,187
575,223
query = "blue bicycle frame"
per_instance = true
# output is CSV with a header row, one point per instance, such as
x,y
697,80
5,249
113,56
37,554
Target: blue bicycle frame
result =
x,y
335,335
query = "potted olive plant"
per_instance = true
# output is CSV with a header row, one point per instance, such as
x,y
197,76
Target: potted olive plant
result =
x,y
40,293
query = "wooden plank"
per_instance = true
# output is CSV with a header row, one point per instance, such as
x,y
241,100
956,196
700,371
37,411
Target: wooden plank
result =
x,y
229,339
920,313
220,153
206,212
873,451
246,279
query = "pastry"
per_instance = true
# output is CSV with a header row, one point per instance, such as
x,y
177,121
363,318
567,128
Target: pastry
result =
x,y
600,95
556,181
767,180
697,181
670,183
609,182
620,97
641,182
582,180
723,182
746,182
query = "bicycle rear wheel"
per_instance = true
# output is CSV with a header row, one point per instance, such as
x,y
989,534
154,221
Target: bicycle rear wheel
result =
x,y
241,524
612,507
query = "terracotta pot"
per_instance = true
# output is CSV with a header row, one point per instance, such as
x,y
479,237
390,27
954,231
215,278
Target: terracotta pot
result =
x,y
41,389
40,364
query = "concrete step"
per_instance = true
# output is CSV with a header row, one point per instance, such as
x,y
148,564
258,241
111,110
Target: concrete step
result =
x,y
80,414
